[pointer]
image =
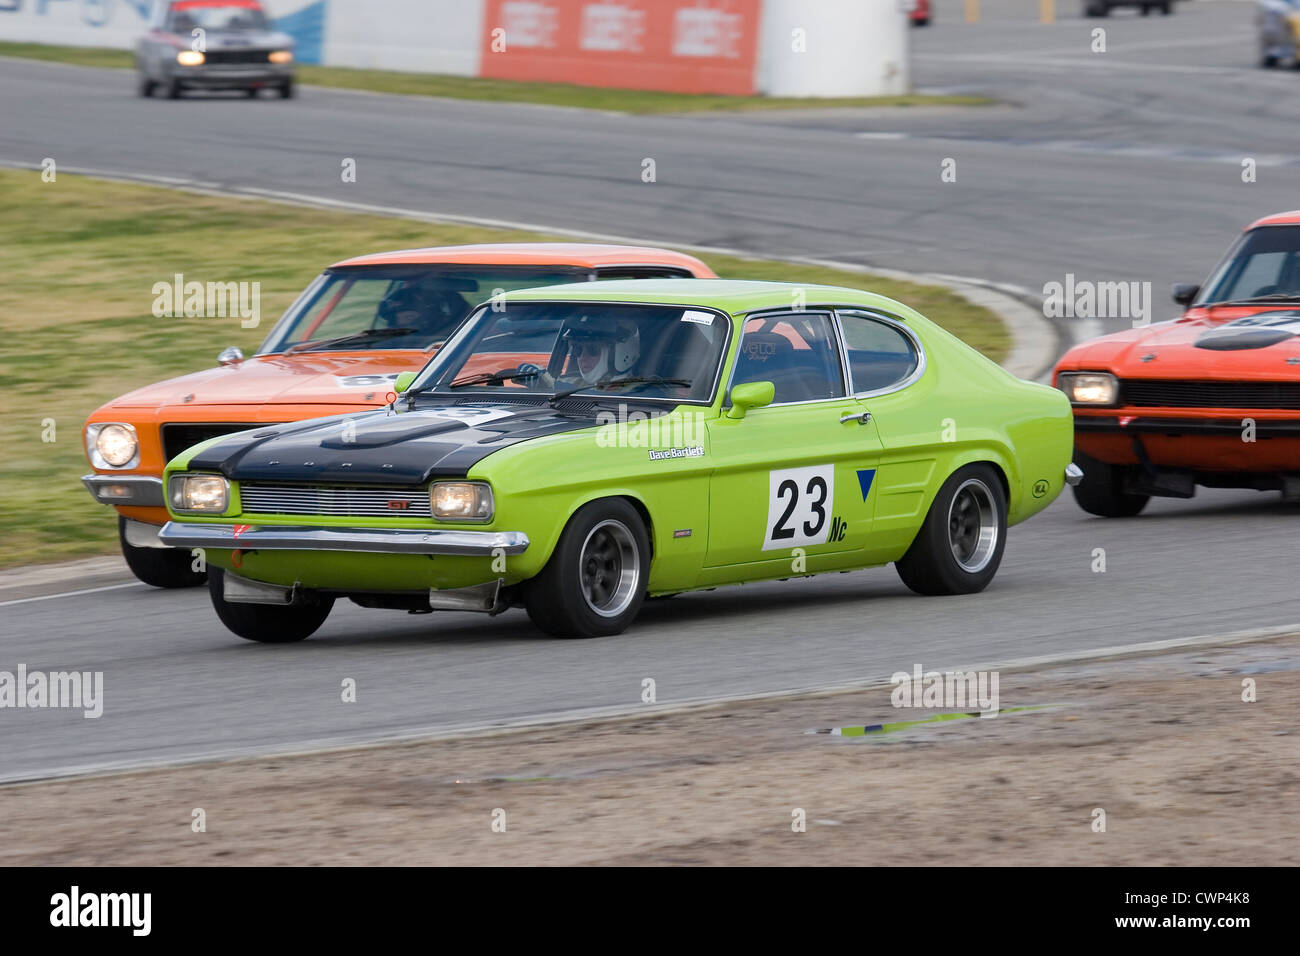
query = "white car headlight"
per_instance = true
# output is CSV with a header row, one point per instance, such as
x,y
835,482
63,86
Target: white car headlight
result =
x,y
190,58
1089,388
461,501
208,494
112,445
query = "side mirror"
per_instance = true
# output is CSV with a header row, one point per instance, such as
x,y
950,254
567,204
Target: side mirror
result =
x,y
750,395
404,382
1184,293
230,356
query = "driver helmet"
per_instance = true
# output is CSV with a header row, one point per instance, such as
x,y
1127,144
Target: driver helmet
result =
x,y
598,347
429,311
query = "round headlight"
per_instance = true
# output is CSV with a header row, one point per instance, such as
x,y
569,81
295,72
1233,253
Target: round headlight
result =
x,y
116,444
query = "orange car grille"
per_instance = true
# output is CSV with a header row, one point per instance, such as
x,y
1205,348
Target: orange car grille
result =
x,y
1151,393
334,500
178,436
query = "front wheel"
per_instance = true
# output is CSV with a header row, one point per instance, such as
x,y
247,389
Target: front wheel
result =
x,y
595,581
1102,491
267,623
959,547
159,567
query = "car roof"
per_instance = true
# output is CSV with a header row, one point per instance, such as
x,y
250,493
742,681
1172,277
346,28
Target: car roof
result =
x,y
583,254
728,295
1277,219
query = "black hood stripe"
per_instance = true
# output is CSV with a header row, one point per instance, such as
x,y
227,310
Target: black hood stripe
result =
x,y
387,448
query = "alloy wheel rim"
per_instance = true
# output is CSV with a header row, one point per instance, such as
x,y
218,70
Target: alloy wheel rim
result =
x,y
609,568
973,525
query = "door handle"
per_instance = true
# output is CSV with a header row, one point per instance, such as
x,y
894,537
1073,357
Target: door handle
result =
x,y
860,417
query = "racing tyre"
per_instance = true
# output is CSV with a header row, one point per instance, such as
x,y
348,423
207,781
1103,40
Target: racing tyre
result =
x,y
1102,491
251,92
267,623
1166,8
160,567
287,90
146,87
1146,10
959,548
174,90
595,582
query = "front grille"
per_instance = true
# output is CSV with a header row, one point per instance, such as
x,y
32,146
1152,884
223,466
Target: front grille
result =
x,y
337,501
1155,393
177,436
224,57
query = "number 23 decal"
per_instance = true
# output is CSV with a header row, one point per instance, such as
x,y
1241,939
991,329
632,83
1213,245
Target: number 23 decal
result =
x,y
799,502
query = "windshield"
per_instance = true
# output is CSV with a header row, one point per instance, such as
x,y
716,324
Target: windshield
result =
x,y
553,349
234,16
1264,262
398,307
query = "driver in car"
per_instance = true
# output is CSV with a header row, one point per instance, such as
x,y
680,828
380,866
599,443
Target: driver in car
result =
x,y
589,352
430,313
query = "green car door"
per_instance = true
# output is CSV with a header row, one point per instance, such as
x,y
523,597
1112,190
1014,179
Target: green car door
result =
x,y
791,490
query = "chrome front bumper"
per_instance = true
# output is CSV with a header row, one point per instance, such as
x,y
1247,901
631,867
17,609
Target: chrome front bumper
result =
x,y
178,534
141,491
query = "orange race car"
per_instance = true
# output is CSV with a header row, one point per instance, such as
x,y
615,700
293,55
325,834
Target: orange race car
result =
x,y
338,349
1211,398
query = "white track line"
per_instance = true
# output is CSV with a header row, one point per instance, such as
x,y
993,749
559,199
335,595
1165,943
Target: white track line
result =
x,y
64,594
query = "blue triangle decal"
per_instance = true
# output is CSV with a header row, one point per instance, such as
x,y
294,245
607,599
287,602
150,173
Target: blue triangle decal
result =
x,y
865,477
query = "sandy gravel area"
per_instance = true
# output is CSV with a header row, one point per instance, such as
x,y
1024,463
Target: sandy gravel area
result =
x,y
1185,771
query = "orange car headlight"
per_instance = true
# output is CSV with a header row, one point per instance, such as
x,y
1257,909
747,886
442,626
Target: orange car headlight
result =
x,y
1089,388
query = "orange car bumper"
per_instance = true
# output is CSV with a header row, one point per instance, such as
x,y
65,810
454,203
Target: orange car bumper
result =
x,y
1226,441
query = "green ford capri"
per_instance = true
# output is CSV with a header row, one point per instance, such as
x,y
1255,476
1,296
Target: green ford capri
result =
x,y
576,449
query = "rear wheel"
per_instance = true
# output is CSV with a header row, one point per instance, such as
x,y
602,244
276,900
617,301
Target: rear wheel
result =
x,y
160,567
1102,491
267,623
959,547
595,582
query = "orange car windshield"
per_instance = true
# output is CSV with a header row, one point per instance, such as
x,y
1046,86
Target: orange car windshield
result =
x,y
1264,265
404,307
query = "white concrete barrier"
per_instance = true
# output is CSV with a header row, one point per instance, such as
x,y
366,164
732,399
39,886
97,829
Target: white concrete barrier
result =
x,y
834,48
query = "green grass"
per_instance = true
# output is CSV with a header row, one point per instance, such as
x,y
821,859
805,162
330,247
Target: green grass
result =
x,y
554,94
79,258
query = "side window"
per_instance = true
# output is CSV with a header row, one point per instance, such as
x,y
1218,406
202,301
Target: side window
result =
x,y
795,351
879,354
